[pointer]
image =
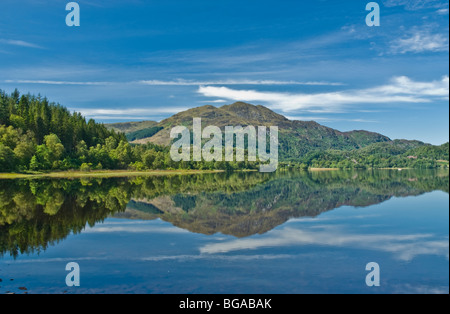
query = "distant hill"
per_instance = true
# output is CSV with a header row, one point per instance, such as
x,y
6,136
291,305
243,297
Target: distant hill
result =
x,y
129,127
296,138
136,130
393,154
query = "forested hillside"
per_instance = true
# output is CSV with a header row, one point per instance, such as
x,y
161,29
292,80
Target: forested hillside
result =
x,y
395,154
37,135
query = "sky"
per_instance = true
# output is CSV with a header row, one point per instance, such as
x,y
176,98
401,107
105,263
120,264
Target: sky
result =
x,y
307,60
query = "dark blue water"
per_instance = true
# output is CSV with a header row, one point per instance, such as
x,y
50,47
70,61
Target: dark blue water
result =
x,y
407,236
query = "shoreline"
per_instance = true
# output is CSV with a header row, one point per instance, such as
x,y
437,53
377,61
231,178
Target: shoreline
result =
x,y
103,174
134,173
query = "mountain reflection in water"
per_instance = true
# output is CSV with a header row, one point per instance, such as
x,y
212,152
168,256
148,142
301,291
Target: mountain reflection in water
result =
x,y
37,213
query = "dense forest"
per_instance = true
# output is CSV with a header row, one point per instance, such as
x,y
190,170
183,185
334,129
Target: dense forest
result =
x,y
37,135
395,154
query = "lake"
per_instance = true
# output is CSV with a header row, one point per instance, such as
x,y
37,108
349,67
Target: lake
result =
x,y
250,233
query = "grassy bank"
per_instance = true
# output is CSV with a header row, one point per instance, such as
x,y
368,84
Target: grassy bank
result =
x,y
103,174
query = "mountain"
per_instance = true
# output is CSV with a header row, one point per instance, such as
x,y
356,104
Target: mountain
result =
x,y
296,138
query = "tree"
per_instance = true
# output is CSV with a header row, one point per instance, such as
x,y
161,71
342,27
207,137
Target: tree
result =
x,y
86,167
148,158
24,151
54,148
7,160
159,161
17,122
81,151
34,164
123,154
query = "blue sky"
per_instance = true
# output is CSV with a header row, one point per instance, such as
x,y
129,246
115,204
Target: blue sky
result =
x,y
308,60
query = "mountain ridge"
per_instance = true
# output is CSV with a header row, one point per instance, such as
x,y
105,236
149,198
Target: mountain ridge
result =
x,y
297,138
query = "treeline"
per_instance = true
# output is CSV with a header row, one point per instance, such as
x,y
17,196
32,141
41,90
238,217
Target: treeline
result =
x,y
395,154
37,117
36,135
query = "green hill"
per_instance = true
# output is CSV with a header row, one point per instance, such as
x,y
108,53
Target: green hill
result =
x,y
130,127
296,138
393,154
307,142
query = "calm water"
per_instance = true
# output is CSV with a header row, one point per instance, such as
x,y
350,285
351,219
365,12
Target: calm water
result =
x,y
228,233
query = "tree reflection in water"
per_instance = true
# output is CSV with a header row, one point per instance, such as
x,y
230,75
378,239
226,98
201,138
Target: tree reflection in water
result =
x,y
37,213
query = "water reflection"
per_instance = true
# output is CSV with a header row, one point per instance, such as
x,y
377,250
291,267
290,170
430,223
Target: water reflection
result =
x,y
37,213
404,247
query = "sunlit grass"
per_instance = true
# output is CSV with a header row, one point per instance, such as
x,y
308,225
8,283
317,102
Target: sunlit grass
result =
x,y
103,174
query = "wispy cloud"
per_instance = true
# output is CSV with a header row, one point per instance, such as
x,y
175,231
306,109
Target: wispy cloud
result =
x,y
414,5
329,119
217,101
179,82
442,11
235,82
419,42
19,43
420,289
399,90
128,114
130,111
406,86
51,82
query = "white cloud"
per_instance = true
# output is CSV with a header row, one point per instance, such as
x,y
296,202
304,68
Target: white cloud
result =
x,y
182,82
19,43
128,114
50,82
406,86
309,118
420,289
414,5
328,119
217,101
400,90
420,41
130,111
